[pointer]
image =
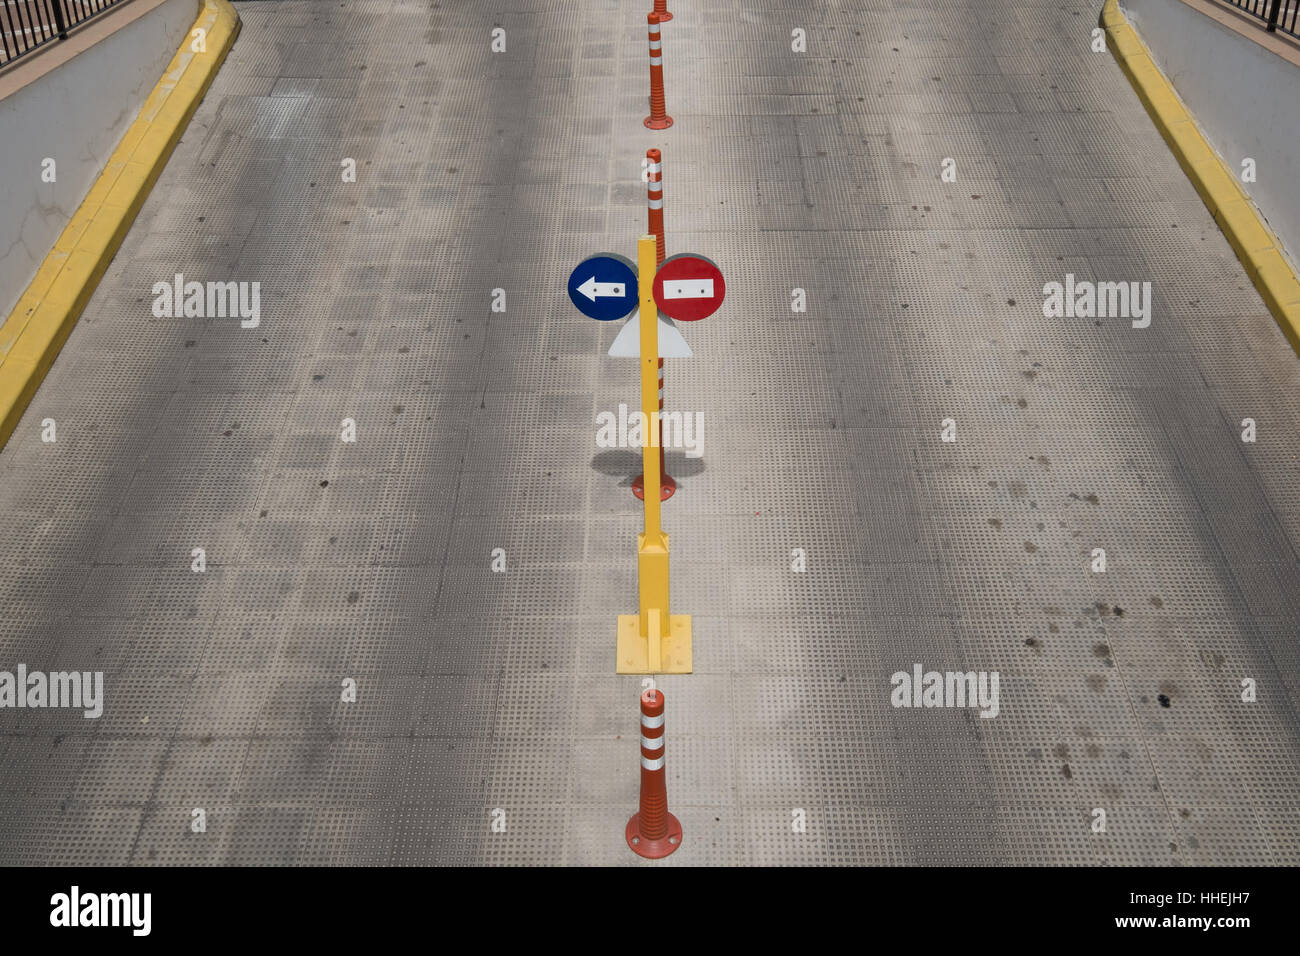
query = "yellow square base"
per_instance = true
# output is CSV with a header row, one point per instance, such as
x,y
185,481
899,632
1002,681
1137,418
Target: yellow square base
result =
x,y
674,650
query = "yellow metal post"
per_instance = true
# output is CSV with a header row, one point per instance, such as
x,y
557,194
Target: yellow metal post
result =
x,y
652,546
652,641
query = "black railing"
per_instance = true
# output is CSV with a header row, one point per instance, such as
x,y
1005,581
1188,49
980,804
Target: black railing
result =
x,y
1276,14
27,24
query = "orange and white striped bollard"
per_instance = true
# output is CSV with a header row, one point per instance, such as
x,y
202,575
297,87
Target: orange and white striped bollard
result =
x,y
653,832
654,195
655,214
661,8
658,118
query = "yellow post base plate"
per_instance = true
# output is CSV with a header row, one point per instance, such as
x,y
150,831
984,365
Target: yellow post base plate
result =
x,y
674,650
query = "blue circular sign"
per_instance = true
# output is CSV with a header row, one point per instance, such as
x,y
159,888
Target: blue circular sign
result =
x,y
604,287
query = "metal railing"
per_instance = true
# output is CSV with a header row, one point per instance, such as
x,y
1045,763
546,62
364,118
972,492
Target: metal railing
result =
x,y
1277,14
26,25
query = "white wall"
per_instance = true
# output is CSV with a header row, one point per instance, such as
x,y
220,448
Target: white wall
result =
x,y
1245,99
75,114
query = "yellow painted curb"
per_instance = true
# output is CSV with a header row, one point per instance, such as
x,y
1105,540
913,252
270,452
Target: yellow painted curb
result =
x,y
43,318
1251,239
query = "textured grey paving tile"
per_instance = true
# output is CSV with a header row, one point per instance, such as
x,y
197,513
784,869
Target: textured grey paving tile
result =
x,y
480,692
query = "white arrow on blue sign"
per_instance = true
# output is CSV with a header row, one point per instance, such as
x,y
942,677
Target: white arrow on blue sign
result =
x,y
604,287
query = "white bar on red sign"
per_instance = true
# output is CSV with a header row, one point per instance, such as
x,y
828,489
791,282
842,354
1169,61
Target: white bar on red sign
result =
x,y
688,288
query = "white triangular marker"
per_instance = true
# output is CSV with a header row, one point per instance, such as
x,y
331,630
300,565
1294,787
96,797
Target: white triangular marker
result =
x,y
627,344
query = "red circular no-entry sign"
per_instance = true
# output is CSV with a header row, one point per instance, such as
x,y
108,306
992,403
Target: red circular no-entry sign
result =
x,y
688,287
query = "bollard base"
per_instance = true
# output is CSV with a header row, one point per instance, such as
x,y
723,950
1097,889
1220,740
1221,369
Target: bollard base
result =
x,y
663,122
653,849
633,652
667,486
